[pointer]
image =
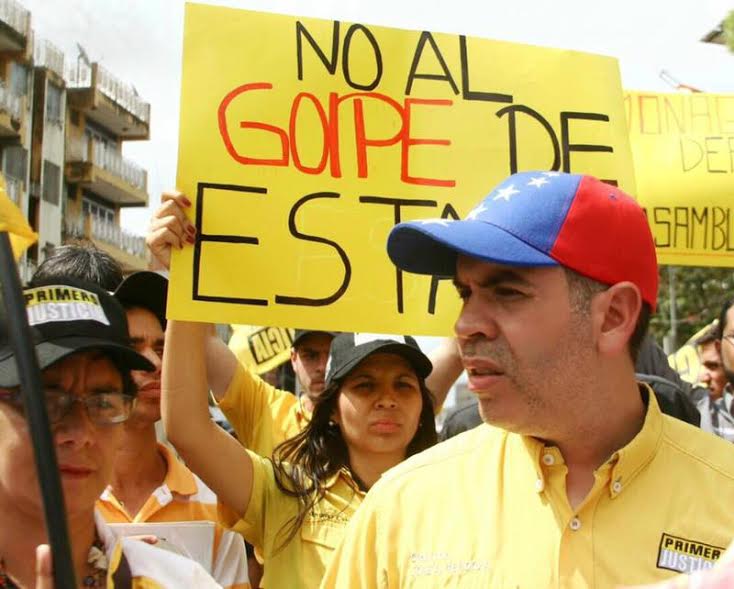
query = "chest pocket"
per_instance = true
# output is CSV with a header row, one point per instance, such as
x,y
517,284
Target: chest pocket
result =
x,y
318,541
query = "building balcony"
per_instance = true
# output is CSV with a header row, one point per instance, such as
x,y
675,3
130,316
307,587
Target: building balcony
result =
x,y
126,248
104,171
15,26
50,57
11,113
107,101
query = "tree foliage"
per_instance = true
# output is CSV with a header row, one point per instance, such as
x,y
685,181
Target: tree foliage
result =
x,y
700,292
729,30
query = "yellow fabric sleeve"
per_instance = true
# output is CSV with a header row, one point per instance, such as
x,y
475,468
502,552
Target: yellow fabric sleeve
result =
x,y
260,414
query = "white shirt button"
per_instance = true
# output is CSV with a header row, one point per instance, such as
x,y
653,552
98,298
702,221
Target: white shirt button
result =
x,y
575,524
617,487
548,459
539,485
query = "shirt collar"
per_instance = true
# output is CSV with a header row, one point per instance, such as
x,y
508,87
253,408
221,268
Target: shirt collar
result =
x,y
632,458
179,479
343,474
303,415
626,462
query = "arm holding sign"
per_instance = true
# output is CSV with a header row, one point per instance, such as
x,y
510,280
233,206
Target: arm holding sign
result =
x,y
262,415
209,451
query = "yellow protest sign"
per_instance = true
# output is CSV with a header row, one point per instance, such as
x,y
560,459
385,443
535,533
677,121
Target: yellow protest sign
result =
x,y
261,348
303,141
683,149
14,223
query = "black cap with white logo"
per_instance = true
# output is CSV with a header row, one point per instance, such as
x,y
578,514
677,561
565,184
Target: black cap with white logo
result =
x,y
349,349
68,316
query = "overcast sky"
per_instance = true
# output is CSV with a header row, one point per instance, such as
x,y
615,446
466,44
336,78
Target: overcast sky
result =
x,y
140,42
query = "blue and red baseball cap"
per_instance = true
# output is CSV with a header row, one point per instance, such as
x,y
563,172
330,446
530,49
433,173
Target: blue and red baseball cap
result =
x,y
540,219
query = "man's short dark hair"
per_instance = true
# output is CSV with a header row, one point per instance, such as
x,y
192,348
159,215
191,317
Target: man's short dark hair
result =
x,y
82,260
722,317
582,289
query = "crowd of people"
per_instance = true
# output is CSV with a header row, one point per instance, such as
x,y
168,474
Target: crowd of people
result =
x,y
584,461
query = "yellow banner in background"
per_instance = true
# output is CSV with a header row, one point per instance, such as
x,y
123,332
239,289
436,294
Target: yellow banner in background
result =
x,y
304,141
683,149
261,348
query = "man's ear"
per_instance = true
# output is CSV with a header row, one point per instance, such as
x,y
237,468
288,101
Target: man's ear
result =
x,y
617,309
293,358
717,345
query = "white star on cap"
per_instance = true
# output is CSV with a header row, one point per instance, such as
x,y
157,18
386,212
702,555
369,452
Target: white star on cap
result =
x,y
551,174
475,212
538,182
506,193
442,222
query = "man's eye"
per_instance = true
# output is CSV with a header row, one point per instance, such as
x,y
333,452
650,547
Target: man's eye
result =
x,y
507,292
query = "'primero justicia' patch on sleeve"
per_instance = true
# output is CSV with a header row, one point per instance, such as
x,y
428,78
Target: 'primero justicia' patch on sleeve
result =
x,y
49,304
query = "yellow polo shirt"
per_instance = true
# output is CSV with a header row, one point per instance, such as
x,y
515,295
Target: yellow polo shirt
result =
x,y
301,562
262,415
488,509
184,497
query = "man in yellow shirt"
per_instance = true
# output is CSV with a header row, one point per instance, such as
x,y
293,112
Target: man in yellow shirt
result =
x,y
262,415
577,480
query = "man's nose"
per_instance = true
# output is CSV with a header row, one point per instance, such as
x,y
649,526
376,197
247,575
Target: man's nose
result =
x,y
154,358
475,319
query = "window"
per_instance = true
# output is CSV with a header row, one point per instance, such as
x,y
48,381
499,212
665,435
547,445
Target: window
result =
x,y
18,79
53,104
51,182
15,162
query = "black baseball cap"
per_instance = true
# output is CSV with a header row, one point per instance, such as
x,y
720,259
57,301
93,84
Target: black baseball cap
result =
x,y
145,289
304,333
68,316
349,349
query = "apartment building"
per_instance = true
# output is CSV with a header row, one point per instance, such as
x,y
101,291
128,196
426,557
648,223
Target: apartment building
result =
x,y
16,101
101,113
62,127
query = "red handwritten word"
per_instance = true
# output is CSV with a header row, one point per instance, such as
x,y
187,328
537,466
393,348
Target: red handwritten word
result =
x,y
329,122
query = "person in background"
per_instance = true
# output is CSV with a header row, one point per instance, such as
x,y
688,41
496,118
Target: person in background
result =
x,y
717,413
712,374
84,260
375,411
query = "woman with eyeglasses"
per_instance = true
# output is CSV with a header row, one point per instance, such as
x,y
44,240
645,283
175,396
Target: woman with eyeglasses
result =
x,y
81,341
375,411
